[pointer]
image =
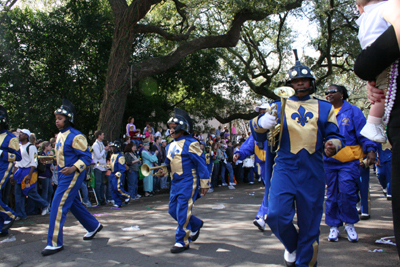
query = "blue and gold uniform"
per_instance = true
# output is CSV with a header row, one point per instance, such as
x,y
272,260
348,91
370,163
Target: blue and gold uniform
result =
x,y
298,174
9,145
384,170
71,150
117,170
188,172
342,170
264,161
209,162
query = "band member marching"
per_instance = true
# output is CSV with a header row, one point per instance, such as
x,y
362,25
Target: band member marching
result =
x,y
265,160
9,152
118,169
298,180
188,173
73,155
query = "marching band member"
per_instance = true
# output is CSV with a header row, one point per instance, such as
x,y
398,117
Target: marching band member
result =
x,y
343,171
309,131
118,169
264,160
9,153
188,173
73,155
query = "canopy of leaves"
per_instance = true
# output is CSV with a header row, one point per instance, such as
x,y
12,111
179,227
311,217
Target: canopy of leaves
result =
x,y
50,56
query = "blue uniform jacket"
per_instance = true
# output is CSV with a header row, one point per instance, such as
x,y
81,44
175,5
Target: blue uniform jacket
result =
x,y
384,155
187,161
117,163
312,122
72,150
250,147
9,144
351,120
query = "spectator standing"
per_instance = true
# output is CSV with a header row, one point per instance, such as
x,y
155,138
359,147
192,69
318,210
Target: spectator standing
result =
x,y
159,132
216,158
99,158
26,177
132,161
45,177
229,162
148,159
234,133
131,120
163,180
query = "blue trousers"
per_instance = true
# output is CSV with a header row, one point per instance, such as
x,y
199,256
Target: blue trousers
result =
x,y
210,168
364,190
117,189
66,198
85,192
20,200
5,214
47,189
288,187
384,176
132,179
263,210
341,195
99,178
182,197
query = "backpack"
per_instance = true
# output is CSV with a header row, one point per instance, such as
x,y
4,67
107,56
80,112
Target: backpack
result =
x,y
40,166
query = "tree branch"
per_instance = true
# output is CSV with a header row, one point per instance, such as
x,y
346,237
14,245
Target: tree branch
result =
x,y
230,39
236,116
140,28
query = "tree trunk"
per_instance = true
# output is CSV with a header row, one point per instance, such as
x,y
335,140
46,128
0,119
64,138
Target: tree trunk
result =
x,y
118,78
117,83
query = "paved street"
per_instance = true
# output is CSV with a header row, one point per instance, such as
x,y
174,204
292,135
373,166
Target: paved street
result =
x,y
228,237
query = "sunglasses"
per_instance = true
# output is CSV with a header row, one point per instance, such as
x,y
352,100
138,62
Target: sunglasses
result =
x,y
331,91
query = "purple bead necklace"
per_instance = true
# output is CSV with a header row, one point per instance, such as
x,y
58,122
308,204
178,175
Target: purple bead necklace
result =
x,y
391,93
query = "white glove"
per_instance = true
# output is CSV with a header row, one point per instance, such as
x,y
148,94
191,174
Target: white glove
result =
x,y
267,121
1,152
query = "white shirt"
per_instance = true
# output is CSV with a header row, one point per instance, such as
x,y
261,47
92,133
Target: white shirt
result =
x,y
372,24
157,134
28,160
99,155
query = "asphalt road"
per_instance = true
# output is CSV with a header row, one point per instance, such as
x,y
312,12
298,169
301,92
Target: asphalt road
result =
x,y
228,237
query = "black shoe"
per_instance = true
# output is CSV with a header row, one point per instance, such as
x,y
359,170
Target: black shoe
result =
x,y
194,238
389,197
289,264
2,234
179,249
103,203
365,216
8,225
91,235
48,252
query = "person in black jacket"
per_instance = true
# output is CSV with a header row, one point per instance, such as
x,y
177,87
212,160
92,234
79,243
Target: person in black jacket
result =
x,y
385,52
229,153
